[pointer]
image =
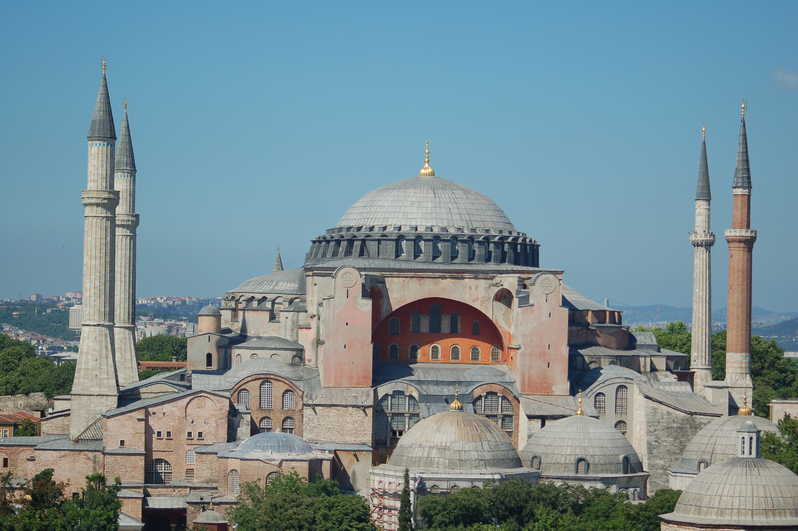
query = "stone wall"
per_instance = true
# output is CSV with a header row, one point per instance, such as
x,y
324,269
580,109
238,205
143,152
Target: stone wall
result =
x,y
30,403
338,424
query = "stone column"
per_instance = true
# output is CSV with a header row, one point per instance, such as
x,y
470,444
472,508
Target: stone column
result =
x,y
701,349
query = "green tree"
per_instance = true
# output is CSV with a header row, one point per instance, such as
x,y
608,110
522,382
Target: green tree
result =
x,y
21,371
675,336
161,348
783,448
405,510
96,508
27,428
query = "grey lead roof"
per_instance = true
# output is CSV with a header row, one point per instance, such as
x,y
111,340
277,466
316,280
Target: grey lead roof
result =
x,y
426,201
702,190
124,148
290,282
574,300
742,173
102,119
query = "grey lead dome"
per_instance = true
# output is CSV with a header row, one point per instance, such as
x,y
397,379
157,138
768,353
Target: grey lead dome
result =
x,y
427,201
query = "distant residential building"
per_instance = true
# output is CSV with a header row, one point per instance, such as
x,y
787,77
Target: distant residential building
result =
x,y
11,422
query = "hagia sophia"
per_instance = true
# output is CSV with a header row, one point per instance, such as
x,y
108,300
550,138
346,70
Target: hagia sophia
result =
x,y
421,333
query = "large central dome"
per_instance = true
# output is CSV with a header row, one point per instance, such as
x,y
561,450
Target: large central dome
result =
x,y
427,201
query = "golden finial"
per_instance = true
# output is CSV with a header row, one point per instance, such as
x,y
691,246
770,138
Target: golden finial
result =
x,y
426,170
745,411
703,133
579,400
104,65
743,107
455,404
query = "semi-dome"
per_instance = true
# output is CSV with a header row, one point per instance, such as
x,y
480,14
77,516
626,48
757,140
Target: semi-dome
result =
x,y
558,448
455,441
425,201
740,492
273,443
716,442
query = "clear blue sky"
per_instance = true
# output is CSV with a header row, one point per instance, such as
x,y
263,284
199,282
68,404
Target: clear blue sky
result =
x,y
257,124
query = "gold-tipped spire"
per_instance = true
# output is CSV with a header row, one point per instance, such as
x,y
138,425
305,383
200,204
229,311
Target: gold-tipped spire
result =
x,y
455,404
426,170
703,132
579,401
743,108
745,411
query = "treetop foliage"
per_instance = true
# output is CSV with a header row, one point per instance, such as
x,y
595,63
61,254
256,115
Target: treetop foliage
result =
x,y
161,348
22,372
783,448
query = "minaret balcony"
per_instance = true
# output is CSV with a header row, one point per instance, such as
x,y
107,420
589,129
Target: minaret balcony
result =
x,y
740,235
702,239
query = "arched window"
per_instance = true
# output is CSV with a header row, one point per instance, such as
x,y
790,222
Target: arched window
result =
x,y
475,328
190,456
265,425
534,463
582,466
436,247
455,353
401,413
208,360
435,319
497,408
621,426
435,352
475,354
270,477
415,323
253,356
702,464
288,425
238,359
393,352
626,466
159,471
413,352
417,247
621,397
266,394
393,326
243,399
600,403
454,252
233,483
495,353
288,399
454,323
400,247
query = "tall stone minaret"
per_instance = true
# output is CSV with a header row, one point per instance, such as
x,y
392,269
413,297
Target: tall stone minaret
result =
x,y
702,240
94,389
126,222
740,238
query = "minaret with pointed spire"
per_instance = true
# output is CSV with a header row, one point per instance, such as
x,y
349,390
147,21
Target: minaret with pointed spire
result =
x,y
126,223
278,262
702,240
740,238
94,388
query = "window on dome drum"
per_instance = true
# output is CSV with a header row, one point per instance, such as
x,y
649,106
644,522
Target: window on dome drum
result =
x,y
582,466
625,465
400,247
265,425
401,411
497,408
621,426
271,477
350,246
415,323
702,465
435,319
243,399
534,463
417,250
455,353
413,352
238,359
266,394
288,399
436,247
159,471
454,323
475,354
435,352
495,353
393,326
475,328
190,457
233,483
288,425
455,252
600,403
208,360
393,352
621,397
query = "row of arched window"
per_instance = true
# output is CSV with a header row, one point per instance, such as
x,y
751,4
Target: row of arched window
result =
x,y
243,398
159,471
582,465
621,402
435,320
435,353
234,481
266,425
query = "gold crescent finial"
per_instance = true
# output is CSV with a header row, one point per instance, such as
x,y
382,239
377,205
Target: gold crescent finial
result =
x,y
426,170
579,401
104,65
745,411
456,405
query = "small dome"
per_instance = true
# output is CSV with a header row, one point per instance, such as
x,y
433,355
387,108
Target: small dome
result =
x,y
455,441
562,443
740,492
427,201
717,441
275,443
211,310
210,517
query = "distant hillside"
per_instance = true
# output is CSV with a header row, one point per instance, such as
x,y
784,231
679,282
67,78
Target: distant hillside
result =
x,y
45,319
662,313
787,329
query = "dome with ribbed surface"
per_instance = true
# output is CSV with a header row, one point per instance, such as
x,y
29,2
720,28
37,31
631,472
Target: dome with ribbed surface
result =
x,y
455,441
555,449
427,201
716,442
740,492
210,309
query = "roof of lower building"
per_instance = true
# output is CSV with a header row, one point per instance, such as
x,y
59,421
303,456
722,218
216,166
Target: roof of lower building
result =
x,y
210,517
288,282
574,300
148,402
269,444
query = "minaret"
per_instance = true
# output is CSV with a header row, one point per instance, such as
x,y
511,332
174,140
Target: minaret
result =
x,y
278,263
741,240
94,389
126,222
702,240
